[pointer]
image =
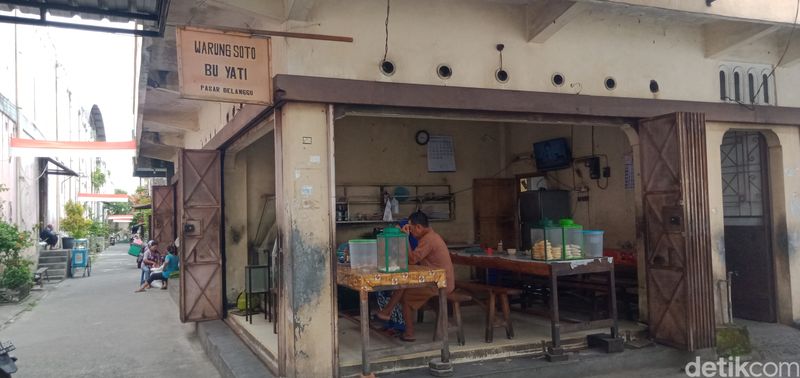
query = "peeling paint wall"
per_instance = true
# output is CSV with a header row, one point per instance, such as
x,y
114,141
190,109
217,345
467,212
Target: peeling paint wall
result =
x,y
784,160
304,217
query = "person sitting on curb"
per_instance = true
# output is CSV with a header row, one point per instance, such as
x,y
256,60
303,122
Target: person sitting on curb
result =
x,y
162,273
151,258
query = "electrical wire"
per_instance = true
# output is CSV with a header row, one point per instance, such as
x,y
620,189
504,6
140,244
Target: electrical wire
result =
x,y
788,43
386,24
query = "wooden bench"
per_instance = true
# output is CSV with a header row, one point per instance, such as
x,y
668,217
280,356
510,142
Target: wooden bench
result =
x,y
493,293
455,299
39,276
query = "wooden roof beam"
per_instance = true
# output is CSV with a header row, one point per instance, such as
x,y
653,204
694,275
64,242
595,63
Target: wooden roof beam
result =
x,y
544,18
722,37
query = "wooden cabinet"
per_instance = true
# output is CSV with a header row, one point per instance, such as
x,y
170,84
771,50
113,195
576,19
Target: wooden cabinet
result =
x,y
495,203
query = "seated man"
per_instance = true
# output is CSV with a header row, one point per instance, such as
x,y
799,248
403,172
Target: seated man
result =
x,y
431,251
48,236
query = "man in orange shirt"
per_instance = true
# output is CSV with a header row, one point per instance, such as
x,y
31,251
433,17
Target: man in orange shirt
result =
x,y
431,251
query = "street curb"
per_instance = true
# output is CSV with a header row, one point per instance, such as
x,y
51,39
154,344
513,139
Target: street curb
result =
x,y
226,351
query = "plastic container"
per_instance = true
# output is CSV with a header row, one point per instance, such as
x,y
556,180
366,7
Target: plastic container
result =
x,y
363,254
392,251
593,243
573,239
547,240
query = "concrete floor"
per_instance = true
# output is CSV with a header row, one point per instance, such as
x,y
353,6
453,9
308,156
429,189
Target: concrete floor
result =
x,y
98,327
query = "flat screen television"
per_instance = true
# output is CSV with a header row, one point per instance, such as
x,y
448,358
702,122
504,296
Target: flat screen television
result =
x,y
552,154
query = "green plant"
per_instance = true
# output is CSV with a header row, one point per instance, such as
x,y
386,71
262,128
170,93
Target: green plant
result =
x,y
99,229
98,179
17,274
16,269
75,223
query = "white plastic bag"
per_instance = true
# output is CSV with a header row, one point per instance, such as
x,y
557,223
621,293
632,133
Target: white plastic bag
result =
x,y
387,212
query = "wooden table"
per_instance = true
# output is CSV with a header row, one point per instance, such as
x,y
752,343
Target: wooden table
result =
x,y
417,276
553,270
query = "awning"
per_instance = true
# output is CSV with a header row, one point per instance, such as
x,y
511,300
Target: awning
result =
x,y
149,16
99,197
143,207
47,148
62,169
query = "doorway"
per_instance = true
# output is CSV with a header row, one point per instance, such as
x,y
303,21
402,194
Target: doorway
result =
x,y
748,247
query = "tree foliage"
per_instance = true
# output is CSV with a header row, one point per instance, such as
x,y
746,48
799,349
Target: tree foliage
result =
x,y
75,223
118,208
98,179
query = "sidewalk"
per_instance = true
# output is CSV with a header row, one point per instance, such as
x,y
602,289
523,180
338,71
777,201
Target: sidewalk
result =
x,y
98,327
9,312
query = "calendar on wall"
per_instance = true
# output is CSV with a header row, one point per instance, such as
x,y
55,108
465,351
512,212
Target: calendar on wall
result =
x,y
441,156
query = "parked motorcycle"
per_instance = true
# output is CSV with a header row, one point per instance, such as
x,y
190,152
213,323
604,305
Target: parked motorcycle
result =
x,y
8,364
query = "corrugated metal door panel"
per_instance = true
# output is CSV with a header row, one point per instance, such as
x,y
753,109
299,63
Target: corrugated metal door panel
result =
x,y
163,215
200,206
677,237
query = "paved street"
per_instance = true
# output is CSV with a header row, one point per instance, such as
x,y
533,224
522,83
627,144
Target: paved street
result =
x,y
98,327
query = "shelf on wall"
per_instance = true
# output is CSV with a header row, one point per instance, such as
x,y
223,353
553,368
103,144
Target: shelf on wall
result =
x,y
439,199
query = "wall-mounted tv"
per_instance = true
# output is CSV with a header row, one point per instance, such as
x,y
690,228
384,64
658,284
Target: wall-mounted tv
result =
x,y
552,154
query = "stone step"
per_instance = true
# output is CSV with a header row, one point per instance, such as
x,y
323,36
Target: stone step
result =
x,y
53,259
56,272
53,266
54,253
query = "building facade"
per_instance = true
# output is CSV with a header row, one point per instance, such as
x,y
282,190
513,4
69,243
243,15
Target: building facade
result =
x,y
690,107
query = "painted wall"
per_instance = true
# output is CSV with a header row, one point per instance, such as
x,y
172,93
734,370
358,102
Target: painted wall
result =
x,y
249,180
383,151
601,42
611,209
784,161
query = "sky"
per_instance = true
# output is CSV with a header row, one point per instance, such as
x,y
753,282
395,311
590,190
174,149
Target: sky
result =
x,y
100,70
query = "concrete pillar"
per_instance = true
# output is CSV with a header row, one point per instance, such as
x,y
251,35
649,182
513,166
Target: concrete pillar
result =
x,y
306,337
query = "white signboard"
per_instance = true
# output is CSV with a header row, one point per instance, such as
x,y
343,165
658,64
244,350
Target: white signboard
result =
x,y
223,66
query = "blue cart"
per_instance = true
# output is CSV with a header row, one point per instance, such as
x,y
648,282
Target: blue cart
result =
x,y
81,258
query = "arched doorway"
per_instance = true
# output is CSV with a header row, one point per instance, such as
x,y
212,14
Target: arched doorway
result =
x,y
748,229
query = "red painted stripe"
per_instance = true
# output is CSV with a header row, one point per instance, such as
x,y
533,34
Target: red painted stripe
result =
x,y
102,195
64,145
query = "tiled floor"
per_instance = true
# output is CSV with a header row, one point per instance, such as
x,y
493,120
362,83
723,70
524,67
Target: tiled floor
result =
x,y
261,330
530,332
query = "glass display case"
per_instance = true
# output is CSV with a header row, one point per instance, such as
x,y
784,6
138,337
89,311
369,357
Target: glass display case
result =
x,y
392,251
548,241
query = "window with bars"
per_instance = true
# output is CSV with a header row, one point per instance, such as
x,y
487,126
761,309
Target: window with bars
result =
x,y
749,84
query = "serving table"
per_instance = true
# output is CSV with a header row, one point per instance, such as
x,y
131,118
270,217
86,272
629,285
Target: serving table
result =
x,y
366,281
552,270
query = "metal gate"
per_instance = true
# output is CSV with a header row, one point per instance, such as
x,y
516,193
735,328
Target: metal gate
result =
x,y
163,215
200,208
677,237
748,246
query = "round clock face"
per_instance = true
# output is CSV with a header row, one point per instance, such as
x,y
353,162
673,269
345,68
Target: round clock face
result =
x,y
422,137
